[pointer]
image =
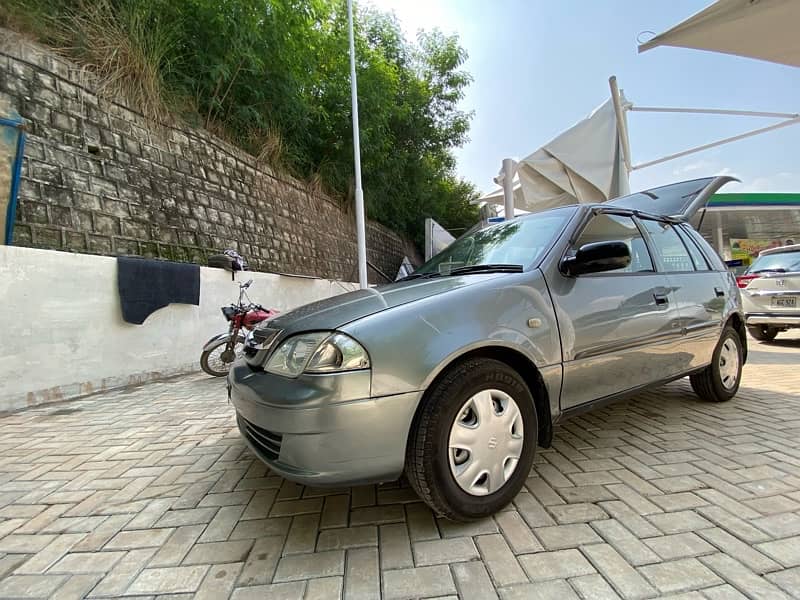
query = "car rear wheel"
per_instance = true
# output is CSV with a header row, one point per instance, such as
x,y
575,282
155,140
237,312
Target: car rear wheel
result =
x,y
719,381
472,442
763,333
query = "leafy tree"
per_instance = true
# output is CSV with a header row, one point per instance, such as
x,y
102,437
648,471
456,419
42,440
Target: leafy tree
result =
x,y
272,76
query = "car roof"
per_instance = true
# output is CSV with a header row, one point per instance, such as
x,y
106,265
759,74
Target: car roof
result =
x,y
780,250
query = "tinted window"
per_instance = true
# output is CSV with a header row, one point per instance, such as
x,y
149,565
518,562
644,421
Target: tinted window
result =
x,y
609,228
669,200
519,242
700,262
780,262
717,264
671,254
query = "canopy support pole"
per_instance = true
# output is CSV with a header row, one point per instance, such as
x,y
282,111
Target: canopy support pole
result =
x,y
719,240
728,140
714,111
508,187
622,123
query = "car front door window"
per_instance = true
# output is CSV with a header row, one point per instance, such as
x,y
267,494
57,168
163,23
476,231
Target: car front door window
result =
x,y
606,227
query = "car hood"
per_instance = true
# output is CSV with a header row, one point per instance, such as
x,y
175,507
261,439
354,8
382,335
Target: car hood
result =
x,y
337,311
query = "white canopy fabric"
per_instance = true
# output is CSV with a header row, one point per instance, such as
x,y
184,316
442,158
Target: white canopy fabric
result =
x,y
582,164
763,29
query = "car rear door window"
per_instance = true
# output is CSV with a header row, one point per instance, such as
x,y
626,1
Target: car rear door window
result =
x,y
671,253
700,262
606,227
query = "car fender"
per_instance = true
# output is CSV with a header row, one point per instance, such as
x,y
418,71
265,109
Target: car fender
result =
x,y
411,344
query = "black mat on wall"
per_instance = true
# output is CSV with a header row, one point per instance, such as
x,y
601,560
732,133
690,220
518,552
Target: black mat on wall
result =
x,y
146,285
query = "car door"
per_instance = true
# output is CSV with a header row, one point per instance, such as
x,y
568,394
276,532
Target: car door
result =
x,y
698,290
618,328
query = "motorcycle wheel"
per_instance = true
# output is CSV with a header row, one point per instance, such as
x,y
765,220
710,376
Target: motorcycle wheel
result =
x,y
213,362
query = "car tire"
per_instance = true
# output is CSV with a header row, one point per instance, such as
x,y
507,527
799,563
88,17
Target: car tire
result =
x,y
720,380
432,462
763,333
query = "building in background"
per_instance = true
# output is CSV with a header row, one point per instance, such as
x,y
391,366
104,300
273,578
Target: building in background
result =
x,y
739,226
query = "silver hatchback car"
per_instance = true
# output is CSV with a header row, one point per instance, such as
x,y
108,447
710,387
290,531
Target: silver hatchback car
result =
x,y
458,372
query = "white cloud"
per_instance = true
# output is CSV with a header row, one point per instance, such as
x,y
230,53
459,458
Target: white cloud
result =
x,y
777,182
704,165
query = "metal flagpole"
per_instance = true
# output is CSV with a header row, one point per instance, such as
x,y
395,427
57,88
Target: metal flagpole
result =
x,y
361,235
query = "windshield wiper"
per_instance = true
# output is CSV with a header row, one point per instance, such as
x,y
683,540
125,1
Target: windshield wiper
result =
x,y
488,268
420,276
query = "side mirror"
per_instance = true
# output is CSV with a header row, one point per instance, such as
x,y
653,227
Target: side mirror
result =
x,y
596,258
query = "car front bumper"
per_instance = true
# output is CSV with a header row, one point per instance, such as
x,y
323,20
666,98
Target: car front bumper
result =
x,y
322,429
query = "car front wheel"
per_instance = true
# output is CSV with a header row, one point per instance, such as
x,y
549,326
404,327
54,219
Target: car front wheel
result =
x,y
719,381
472,442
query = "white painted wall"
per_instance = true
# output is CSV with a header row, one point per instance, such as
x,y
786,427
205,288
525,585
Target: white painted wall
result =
x,y
62,333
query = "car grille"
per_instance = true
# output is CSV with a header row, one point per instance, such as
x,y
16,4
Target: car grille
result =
x,y
266,442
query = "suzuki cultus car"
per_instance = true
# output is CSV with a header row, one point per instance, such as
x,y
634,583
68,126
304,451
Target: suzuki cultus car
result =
x,y
457,373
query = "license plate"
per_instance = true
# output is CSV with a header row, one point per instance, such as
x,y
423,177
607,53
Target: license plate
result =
x,y
784,302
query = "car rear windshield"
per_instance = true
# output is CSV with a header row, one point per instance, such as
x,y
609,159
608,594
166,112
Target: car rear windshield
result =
x,y
522,242
780,262
669,200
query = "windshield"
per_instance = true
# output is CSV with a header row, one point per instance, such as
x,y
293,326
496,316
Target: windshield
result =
x,y
519,242
781,262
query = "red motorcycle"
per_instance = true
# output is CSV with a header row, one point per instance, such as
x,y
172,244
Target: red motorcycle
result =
x,y
220,351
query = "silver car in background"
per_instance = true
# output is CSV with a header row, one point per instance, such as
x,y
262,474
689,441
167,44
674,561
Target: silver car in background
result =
x,y
771,292
457,373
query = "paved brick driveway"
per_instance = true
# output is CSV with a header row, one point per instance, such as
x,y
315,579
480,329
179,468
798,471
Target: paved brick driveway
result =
x,y
150,491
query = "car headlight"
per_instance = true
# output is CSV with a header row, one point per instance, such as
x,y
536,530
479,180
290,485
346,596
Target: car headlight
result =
x,y
318,352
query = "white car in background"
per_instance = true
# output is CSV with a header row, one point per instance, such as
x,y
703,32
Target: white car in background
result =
x,y
771,292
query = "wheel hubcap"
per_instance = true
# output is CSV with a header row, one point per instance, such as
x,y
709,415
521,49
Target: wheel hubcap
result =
x,y
729,363
485,442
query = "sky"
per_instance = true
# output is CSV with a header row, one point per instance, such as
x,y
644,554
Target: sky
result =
x,y
540,66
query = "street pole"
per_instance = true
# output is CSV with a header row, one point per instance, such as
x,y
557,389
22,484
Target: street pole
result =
x,y
361,234
508,188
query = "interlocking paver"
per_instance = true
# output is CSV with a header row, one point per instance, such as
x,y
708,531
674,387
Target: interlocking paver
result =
x,y
218,582
346,537
679,545
566,536
262,560
545,590
743,578
473,581
362,578
30,586
307,566
218,552
735,548
786,551
168,580
434,552
560,564
679,575
324,588
405,584
621,575
658,495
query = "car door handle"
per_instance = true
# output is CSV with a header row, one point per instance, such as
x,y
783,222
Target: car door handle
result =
x,y
661,298
720,293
